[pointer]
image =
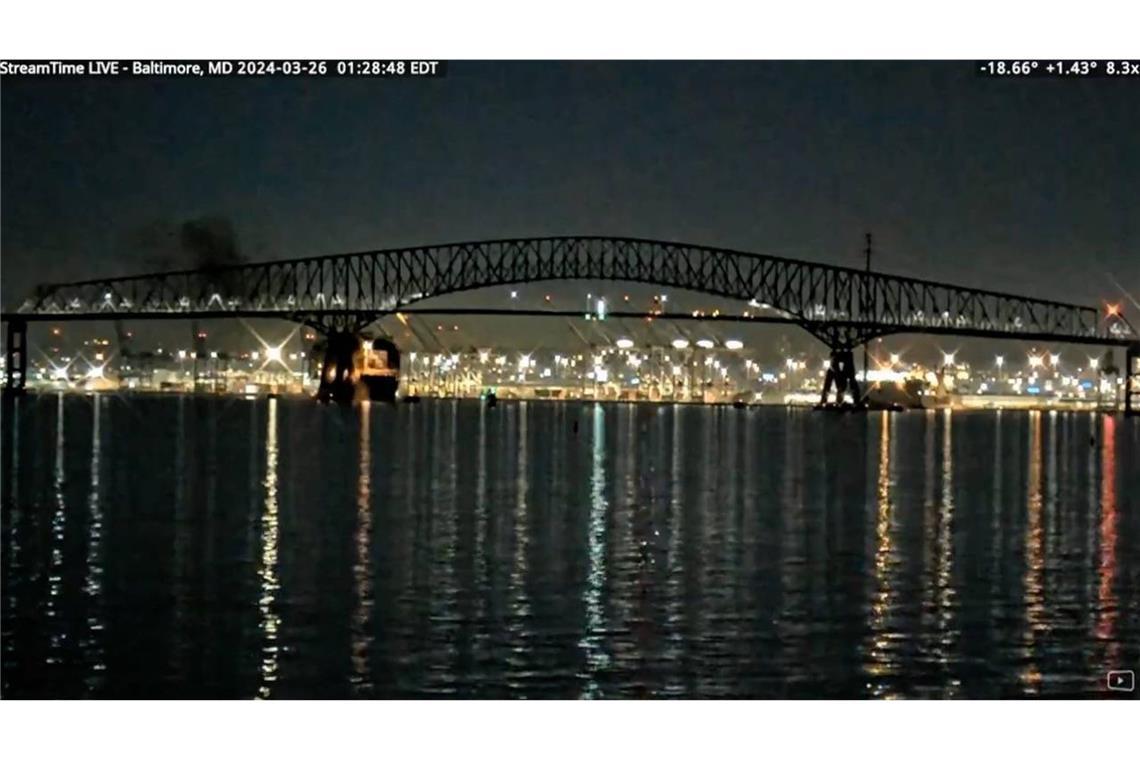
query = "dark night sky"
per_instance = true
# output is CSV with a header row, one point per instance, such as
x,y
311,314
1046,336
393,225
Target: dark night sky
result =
x,y
1029,186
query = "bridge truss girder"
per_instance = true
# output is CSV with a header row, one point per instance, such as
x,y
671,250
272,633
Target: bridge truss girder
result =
x,y
842,306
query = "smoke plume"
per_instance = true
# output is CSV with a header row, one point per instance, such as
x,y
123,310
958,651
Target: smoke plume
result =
x,y
209,243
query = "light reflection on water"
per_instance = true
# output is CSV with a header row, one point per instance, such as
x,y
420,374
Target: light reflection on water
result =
x,y
361,569
93,585
881,660
594,630
1107,608
160,547
270,585
58,634
1034,559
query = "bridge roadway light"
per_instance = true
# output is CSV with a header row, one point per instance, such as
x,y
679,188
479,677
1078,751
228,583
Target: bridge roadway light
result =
x,y
705,343
680,343
624,343
733,345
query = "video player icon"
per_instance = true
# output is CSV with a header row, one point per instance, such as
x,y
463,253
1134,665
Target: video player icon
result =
x,y
1121,680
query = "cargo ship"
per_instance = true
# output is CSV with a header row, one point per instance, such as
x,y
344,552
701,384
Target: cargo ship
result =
x,y
379,368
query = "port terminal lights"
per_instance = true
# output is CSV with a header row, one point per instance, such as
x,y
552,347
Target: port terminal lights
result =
x,y
1132,380
947,366
684,359
1114,313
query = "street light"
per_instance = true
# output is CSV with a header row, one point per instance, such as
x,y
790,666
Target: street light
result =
x,y
948,359
1000,361
733,345
895,358
705,343
624,343
680,343
1034,360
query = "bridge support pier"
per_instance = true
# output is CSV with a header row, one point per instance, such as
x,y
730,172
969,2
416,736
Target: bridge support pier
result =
x,y
338,370
841,373
16,358
1132,380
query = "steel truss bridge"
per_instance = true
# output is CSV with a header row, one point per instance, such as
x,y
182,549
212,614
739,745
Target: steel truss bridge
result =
x,y
842,306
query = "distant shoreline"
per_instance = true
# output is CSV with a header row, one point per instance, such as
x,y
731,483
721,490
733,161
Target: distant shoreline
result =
x,y
959,404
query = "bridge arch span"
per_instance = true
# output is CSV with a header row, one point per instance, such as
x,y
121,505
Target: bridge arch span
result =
x,y
842,306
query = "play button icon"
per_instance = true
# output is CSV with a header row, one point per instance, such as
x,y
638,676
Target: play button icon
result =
x,y
1121,680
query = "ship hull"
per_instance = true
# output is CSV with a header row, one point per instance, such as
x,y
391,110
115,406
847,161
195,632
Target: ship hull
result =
x,y
380,388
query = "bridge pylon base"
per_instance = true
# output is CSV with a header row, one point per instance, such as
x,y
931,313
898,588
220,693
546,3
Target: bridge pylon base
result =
x,y
339,370
841,374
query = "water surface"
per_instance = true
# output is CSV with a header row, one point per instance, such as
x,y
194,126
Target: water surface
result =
x,y
220,547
